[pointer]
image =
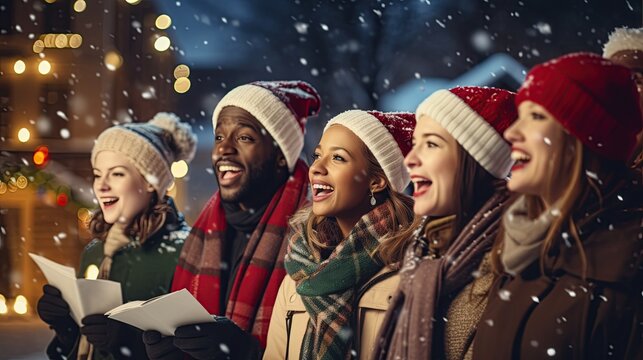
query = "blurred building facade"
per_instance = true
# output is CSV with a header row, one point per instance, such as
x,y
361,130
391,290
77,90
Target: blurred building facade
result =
x,y
68,70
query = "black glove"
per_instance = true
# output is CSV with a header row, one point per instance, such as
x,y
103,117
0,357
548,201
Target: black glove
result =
x,y
221,339
160,347
54,310
101,331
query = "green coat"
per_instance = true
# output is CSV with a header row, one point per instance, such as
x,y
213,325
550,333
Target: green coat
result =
x,y
144,271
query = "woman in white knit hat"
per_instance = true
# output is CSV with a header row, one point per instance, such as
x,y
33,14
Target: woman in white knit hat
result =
x,y
337,289
625,47
458,167
137,229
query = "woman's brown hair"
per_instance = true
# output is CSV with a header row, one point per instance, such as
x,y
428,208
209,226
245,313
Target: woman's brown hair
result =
x,y
145,224
398,204
472,188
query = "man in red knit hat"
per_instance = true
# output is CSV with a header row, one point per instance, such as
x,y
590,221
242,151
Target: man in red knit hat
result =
x,y
232,261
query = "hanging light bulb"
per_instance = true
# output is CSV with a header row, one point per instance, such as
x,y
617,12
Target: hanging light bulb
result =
x,y
163,22
162,43
24,135
44,67
3,305
19,67
20,305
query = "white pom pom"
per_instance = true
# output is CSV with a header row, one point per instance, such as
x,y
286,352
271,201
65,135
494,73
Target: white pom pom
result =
x,y
623,39
184,138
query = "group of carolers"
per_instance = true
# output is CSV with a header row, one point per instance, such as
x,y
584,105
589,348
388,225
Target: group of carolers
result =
x,y
522,238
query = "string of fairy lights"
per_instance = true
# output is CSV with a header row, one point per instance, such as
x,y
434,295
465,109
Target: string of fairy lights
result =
x,y
32,173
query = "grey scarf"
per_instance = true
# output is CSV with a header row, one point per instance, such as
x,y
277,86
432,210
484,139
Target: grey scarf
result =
x,y
523,236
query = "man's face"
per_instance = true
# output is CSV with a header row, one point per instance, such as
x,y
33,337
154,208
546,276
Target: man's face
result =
x,y
632,59
245,157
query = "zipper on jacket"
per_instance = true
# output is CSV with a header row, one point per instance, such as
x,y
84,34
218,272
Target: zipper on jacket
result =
x,y
289,315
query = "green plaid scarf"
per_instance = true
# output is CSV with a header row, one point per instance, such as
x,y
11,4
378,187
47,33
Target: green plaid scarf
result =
x,y
327,285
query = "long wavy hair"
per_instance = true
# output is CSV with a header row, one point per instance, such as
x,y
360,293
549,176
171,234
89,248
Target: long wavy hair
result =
x,y
398,204
472,188
590,177
145,224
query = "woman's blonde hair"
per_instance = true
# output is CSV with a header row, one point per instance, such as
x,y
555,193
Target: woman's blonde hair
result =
x,y
587,172
145,224
398,204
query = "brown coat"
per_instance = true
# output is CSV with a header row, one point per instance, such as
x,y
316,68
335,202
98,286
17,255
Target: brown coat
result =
x,y
560,315
289,309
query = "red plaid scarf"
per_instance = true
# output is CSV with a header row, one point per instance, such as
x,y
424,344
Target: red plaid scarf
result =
x,y
262,266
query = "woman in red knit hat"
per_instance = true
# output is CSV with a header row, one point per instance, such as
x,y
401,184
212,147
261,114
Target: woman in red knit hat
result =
x,y
571,243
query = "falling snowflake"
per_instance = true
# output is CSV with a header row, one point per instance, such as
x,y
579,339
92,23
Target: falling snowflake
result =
x,y
64,133
301,28
62,115
543,28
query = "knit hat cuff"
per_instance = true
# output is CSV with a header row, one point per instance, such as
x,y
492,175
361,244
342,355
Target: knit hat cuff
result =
x,y
623,39
379,141
147,160
272,113
470,130
545,85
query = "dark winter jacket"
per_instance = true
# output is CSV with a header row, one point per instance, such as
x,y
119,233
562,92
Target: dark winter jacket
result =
x,y
143,270
559,314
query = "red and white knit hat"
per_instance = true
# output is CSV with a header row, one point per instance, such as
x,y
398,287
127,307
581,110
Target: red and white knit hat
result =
x,y
282,107
476,117
593,98
388,137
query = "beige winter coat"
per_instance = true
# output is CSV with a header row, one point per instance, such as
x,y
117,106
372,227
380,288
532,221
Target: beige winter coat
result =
x,y
290,309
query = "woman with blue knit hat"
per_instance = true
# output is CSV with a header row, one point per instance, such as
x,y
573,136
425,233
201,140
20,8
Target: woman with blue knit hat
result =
x,y
138,234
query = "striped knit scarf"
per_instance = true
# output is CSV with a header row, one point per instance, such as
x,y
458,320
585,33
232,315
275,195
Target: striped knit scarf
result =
x,y
327,286
261,269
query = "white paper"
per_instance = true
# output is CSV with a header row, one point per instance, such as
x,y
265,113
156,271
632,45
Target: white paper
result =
x,y
163,314
84,296
98,296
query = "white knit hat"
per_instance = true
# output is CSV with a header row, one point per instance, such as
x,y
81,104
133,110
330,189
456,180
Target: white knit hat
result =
x,y
282,107
151,147
623,39
476,117
387,136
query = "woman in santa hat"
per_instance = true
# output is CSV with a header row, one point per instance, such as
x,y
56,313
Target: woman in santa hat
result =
x,y
571,245
338,286
625,47
458,164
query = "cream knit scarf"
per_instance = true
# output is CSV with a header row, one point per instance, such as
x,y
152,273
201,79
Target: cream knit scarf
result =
x,y
523,236
114,241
